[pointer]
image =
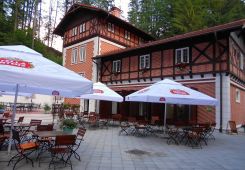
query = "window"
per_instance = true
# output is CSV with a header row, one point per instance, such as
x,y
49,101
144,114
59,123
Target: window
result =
x,y
74,56
241,61
74,31
237,95
182,55
127,35
82,53
82,74
145,61
82,27
111,27
116,67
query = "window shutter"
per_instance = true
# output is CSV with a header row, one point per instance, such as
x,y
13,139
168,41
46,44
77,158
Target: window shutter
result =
x,y
178,56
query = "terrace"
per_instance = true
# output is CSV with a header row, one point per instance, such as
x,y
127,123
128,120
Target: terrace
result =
x,y
106,149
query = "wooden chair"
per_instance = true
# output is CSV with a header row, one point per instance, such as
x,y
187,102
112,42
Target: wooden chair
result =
x,y
93,121
80,135
7,115
62,150
23,149
233,128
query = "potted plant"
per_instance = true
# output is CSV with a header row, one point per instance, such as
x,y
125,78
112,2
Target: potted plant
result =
x,y
1,108
46,108
68,125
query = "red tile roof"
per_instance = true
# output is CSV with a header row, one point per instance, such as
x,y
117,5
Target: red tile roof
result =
x,y
223,27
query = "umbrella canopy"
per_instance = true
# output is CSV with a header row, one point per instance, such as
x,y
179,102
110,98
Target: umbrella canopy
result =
x,y
27,71
35,74
168,91
6,93
102,92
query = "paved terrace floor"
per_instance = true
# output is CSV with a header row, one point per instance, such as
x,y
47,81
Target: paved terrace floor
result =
x,y
105,149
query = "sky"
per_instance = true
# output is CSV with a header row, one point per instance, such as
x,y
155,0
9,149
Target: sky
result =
x,y
122,4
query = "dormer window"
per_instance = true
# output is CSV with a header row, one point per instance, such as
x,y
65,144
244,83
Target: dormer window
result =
x,y
82,27
145,61
182,55
110,27
74,31
127,35
116,66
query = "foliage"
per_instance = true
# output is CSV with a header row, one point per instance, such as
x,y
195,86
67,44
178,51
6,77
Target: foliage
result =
x,y
1,106
46,108
163,18
69,123
104,4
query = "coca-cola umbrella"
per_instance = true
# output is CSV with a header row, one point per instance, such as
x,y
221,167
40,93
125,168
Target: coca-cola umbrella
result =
x,y
171,92
27,71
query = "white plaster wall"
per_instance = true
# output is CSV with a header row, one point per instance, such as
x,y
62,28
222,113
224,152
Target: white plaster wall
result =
x,y
226,106
37,99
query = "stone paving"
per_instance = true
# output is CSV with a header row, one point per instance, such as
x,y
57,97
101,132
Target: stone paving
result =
x,y
104,149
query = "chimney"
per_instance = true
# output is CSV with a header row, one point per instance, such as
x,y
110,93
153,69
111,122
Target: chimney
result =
x,y
116,11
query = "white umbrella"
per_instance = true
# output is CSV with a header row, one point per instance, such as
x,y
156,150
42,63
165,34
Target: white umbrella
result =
x,y
27,71
102,92
168,91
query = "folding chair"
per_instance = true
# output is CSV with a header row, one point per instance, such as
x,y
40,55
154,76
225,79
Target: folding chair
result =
x,y
62,150
23,149
45,142
80,135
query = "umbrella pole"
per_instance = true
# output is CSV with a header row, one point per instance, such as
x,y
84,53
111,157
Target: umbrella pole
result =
x,y
165,114
13,116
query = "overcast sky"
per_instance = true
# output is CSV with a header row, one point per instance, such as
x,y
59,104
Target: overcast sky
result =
x,y
123,4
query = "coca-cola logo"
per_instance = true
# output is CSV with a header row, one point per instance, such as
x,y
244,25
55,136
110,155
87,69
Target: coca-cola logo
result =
x,y
178,91
16,62
55,93
143,91
162,99
98,91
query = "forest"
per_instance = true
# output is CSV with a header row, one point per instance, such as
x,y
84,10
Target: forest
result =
x,y
31,22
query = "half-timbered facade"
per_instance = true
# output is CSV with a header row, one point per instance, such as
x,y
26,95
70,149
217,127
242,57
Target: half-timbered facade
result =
x,y
209,60
87,32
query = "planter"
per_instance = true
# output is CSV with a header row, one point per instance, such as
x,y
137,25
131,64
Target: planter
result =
x,y
1,111
66,129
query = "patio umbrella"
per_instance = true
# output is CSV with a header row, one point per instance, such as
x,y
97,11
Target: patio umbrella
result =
x,y
102,92
171,92
27,71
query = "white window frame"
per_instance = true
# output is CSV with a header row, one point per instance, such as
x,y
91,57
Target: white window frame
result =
x,y
82,74
74,55
82,53
238,95
182,55
82,27
74,31
86,105
110,27
116,66
241,61
127,34
144,58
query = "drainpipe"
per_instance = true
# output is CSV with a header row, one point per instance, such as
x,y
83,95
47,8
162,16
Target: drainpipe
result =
x,y
221,104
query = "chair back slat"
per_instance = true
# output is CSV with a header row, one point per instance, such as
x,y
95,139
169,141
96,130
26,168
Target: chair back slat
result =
x,y
35,122
65,140
81,132
45,127
21,119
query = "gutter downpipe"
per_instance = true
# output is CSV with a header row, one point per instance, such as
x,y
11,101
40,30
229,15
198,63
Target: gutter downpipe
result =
x,y
221,90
